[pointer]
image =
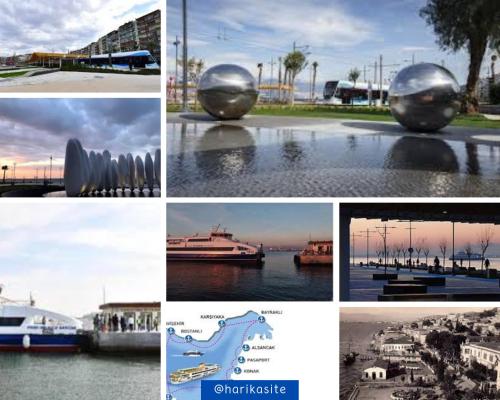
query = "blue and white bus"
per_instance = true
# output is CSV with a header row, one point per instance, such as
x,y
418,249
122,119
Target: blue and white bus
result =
x,y
140,59
344,92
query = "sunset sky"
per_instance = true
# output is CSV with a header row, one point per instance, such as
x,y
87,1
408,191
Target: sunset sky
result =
x,y
432,232
270,224
29,138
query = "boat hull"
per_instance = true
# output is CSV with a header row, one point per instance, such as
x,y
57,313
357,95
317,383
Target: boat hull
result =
x,y
214,257
40,343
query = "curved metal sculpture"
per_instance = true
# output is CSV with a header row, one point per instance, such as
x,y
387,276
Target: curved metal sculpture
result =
x,y
97,172
227,91
424,97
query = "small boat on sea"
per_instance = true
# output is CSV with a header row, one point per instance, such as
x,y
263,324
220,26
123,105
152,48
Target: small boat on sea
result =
x,y
218,245
317,252
25,328
350,357
192,353
462,255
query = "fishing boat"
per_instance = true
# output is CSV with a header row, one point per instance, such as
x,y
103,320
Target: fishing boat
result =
x,y
25,328
218,245
350,357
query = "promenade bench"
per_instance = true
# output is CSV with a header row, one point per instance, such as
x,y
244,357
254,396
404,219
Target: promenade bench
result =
x,y
431,280
405,289
384,277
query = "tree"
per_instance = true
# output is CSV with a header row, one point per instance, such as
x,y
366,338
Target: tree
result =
x,y
315,67
466,24
294,62
426,250
195,68
443,246
448,387
353,77
259,66
485,237
404,249
4,169
418,249
468,251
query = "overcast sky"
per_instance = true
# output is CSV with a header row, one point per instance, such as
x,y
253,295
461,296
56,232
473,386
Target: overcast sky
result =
x,y
270,224
341,34
47,25
66,253
34,129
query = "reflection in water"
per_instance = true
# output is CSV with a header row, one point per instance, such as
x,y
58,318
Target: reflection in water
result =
x,y
225,150
351,140
207,159
291,150
472,159
421,154
278,280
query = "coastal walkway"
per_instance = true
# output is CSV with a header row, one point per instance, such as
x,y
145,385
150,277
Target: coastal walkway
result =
x,y
345,126
64,81
364,288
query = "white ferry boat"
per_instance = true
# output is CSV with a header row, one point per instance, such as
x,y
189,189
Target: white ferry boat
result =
x,y
26,328
219,245
190,374
462,255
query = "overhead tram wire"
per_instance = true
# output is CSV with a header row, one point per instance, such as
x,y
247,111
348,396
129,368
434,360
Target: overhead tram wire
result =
x,y
382,231
277,49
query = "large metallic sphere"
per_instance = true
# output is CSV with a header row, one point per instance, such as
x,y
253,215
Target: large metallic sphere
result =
x,y
424,97
227,91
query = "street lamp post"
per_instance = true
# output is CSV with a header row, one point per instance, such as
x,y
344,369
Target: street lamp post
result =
x,y
176,44
184,58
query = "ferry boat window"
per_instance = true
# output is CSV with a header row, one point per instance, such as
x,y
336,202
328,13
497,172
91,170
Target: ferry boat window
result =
x,y
199,240
11,321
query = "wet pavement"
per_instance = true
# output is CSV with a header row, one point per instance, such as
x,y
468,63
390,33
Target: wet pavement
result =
x,y
288,156
364,288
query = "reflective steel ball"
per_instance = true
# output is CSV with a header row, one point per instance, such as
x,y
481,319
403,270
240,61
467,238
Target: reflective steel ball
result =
x,y
227,91
424,97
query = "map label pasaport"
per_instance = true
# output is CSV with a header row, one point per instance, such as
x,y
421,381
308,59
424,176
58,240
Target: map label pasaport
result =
x,y
264,390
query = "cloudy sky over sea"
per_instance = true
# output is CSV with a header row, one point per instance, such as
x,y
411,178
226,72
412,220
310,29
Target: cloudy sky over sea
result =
x,y
66,255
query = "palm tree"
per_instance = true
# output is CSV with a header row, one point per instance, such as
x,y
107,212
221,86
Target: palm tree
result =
x,y
195,68
353,76
295,62
259,66
315,67
4,169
